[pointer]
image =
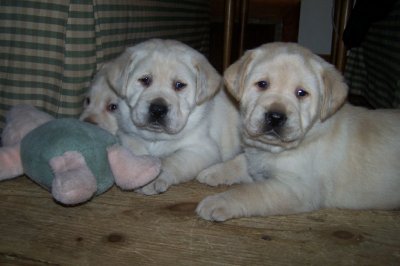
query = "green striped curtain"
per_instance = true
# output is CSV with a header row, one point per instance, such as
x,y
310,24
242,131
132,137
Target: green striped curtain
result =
x,y
50,49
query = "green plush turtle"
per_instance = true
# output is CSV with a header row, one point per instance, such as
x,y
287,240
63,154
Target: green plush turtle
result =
x,y
73,159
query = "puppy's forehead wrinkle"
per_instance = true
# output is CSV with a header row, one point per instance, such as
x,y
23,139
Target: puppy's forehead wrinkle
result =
x,y
169,68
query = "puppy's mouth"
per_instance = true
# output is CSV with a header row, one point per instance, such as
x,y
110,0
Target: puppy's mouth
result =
x,y
268,135
271,134
157,126
269,141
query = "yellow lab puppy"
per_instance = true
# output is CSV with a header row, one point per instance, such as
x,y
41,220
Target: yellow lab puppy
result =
x,y
304,147
101,102
173,107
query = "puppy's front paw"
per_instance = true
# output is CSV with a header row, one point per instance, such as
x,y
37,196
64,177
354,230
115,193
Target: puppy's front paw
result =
x,y
213,176
217,208
159,185
156,187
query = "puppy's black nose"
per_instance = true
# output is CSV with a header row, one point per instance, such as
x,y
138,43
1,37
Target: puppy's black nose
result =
x,y
158,109
275,119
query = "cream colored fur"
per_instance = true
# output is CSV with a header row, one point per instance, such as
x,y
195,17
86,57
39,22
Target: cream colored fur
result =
x,y
323,155
101,102
200,126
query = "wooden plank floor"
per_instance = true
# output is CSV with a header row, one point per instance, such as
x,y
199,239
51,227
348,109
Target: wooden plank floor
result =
x,y
124,228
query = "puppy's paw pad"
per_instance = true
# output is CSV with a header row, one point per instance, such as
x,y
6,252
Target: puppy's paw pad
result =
x,y
214,208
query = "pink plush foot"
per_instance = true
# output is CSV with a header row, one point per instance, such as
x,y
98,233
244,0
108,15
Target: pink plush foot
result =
x,y
73,182
10,162
131,171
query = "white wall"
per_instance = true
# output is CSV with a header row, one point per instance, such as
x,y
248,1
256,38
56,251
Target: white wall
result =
x,y
315,29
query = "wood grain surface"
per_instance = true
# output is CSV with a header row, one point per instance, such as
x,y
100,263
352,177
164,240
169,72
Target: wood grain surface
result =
x,y
125,228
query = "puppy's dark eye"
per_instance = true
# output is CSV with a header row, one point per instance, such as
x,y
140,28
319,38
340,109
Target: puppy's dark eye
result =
x,y
146,81
178,86
112,107
86,102
301,93
262,84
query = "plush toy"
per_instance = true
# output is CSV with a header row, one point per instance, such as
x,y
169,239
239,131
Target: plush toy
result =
x,y
73,159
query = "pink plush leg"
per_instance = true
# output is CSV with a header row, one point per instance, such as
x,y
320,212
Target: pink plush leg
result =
x,y
10,162
132,171
73,182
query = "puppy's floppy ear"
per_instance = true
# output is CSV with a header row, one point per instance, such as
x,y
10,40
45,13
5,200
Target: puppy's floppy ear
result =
x,y
208,80
334,91
118,73
235,75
